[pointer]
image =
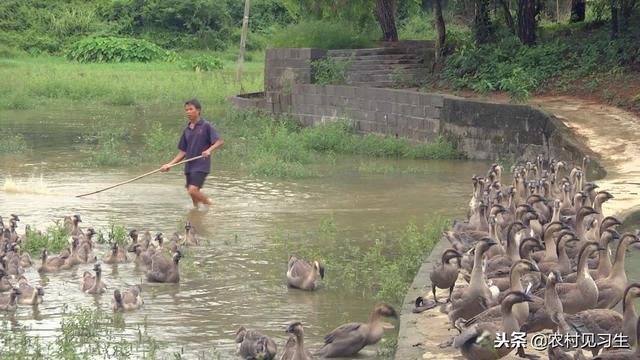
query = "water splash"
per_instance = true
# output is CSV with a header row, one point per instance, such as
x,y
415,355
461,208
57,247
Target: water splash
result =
x,y
33,185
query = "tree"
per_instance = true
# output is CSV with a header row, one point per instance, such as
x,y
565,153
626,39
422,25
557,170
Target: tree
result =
x,y
507,15
614,18
482,23
440,40
386,19
578,10
527,22
626,8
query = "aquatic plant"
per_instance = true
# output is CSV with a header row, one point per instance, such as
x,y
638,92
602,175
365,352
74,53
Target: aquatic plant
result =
x,y
12,143
54,239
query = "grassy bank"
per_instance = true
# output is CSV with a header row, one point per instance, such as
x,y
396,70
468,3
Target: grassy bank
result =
x,y
38,82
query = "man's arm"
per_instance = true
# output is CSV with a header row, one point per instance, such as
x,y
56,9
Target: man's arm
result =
x,y
215,145
176,159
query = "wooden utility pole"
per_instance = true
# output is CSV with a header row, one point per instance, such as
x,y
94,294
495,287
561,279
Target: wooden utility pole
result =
x,y
243,42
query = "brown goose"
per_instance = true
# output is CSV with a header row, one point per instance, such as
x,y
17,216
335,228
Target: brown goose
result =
x,y
165,270
302,275
294,348
611,288
520,310
348,339
253,345
604,266
28,294
621,354
629,314
445,274
541,312
50,264
477,297
130,300
477,342
5,284
115,256
190,237
583,294
93,284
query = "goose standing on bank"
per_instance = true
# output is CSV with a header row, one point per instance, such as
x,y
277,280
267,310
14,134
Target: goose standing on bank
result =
x,y
302,275
445,274
348,339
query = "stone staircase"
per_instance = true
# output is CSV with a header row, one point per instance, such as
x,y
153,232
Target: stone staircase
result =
x,y
402,65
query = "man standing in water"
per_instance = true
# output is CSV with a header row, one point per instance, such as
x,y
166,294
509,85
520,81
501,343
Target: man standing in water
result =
x,y
198,138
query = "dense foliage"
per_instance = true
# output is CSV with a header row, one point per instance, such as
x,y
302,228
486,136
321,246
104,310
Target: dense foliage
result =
x,y
115,49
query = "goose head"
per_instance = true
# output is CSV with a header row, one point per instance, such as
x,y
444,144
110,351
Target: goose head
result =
x,y
40,291
319,267
386,310
117,296
97,267
450,254
631,290
294,328
554,277
177,256
525,265
114,248
133,234
159,239
187,226
43,254
14,217
76,219
91,231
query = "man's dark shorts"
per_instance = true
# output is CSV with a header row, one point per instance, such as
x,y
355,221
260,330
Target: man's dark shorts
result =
x,y
195,179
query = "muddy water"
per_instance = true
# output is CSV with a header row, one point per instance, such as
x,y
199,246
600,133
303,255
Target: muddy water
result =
x,y
236,278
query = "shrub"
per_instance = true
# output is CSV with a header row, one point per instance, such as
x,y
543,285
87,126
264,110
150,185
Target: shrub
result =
x,y
201,63
54,239
329,71
322,34
115,49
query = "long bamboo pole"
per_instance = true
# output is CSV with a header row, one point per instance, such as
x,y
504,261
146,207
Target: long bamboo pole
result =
x,y
243,43
139,177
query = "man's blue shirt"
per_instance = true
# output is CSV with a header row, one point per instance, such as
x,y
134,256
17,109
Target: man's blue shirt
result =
x,y
194,142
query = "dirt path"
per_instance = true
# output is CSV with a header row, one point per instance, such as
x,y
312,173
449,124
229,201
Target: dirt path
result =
x,y
612,133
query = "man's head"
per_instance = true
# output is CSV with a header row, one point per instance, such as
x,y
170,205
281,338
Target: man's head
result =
x,y
192,108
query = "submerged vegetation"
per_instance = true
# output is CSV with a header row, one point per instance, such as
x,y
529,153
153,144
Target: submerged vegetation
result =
x,y
84,334
384,270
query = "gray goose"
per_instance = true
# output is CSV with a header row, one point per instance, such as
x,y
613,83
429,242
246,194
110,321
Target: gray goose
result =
x,y
348,339
165,270
28,294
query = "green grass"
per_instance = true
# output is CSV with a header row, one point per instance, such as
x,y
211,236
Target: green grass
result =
x,y
281,148
42,81
324,35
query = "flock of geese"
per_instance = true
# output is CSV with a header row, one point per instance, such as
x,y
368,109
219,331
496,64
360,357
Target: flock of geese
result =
x,y
536,255
150,252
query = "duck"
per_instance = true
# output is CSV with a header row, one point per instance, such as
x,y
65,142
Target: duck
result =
x,y
165,270
348,339
116,256
302,275
28,294
130,300
445,274
253,345
477,342
93,284
294,347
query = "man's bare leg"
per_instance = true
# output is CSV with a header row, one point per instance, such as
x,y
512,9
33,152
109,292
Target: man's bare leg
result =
x,y
197,197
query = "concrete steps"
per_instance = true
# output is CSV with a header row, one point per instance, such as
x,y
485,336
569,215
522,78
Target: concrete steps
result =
x,y
383,67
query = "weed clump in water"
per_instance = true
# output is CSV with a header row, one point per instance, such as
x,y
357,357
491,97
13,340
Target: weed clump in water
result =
x,y
54,239
12,143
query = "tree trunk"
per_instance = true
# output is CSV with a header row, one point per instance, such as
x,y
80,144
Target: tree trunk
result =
x,y
527,22
627,11
243,42
386,19
614,18
482,23
507,15
440,40
578,10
